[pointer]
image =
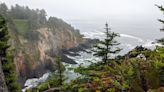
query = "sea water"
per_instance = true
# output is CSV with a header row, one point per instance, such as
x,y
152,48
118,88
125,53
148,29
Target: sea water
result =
x,y
132,33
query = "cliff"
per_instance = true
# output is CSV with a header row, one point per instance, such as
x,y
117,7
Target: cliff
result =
x,y
34,55
37,39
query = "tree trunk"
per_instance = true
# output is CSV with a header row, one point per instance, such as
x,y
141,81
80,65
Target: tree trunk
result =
x,y
3,87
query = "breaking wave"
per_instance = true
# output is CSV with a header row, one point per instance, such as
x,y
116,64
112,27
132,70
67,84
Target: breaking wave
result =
x,y
100,35
35,81
133,37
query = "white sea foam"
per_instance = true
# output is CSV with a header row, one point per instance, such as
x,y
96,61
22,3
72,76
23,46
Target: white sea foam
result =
x,y
128,46
100,35
148,44
133,37
82,60
151,44
35,81
93,34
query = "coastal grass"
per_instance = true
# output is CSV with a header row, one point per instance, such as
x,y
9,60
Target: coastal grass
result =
x,y
21,25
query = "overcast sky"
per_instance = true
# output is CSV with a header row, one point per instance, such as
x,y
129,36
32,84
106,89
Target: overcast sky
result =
x,y
84,9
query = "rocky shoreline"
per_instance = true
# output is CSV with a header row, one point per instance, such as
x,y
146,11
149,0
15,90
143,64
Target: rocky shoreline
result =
x,y
74,51
64,52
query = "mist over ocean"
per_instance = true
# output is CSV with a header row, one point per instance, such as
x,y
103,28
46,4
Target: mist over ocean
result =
x,y
133,32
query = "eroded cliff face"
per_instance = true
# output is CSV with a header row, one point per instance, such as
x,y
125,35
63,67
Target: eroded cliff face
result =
x,y
33,58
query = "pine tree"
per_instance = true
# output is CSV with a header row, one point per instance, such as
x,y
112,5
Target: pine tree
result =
x,y
162,21
105,48
6,59
3,9
60,71
3,47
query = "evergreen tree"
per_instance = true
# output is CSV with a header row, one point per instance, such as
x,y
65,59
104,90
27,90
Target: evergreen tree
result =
x,y
162,21
7,59
3,87
105,48
60,70
3,9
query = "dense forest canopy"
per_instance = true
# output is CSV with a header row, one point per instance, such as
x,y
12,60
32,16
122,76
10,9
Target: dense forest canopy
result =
x,y
25,20
35,18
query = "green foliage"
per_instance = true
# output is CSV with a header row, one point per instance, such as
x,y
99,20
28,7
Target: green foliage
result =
x,y
23,21
104,48
160,51
56,79
111,90
21,25
129,75
36,18
138,74
161,9
162,21
52,82
81,90
55,23
6,57
60,70
23,28
42,87
3,9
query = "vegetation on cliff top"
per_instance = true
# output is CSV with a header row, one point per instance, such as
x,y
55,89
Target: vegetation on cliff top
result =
x,y
24,20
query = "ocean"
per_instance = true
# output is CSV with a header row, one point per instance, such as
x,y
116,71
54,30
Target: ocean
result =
x,y
132,33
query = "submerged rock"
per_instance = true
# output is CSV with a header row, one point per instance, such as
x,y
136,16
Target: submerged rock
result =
x,y
67,60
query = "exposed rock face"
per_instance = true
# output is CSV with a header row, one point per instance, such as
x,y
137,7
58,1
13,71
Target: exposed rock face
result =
x,y
33,58
37,39
3,87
